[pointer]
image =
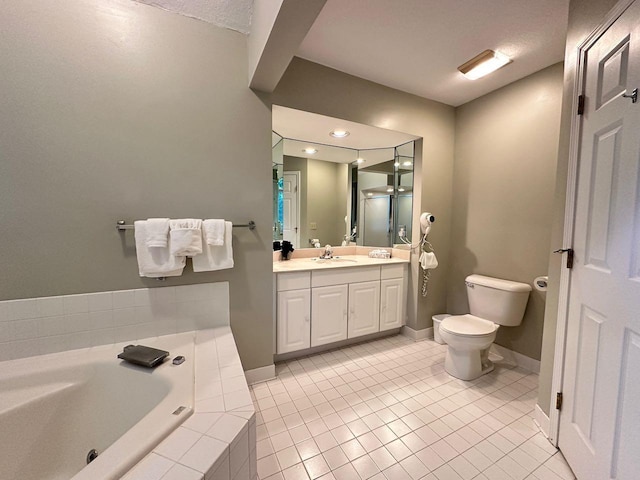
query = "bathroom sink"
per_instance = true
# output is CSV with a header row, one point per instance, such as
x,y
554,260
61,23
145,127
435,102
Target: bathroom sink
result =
x,y
334,260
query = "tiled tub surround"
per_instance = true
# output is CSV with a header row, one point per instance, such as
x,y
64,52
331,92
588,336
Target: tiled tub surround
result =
x,y
62,405
386,409
37,326
218,442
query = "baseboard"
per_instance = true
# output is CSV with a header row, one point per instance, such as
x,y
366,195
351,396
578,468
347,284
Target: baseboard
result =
x,y
510,357
542,420
261,374
417,335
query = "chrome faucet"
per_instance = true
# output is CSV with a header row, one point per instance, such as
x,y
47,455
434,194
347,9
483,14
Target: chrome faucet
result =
x,y
328,252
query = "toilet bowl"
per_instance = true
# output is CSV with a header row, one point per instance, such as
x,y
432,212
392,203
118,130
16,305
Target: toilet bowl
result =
x,y
469,339
493,302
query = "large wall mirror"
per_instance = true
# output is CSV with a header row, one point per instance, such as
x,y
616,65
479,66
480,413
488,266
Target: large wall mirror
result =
x,y
339,188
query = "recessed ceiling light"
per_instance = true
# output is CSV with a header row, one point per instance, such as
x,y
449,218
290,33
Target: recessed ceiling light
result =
x,y
310,150
370,194
483,64
406,164
361,160
401,189
390,189
339,133
397,164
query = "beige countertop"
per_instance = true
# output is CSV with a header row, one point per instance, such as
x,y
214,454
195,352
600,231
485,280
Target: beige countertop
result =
x,y
339,261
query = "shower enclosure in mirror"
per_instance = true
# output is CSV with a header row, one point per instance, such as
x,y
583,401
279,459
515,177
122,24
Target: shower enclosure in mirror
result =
x,y
339,190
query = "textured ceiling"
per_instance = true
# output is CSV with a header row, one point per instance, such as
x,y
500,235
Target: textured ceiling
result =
x,y
232,14
417,45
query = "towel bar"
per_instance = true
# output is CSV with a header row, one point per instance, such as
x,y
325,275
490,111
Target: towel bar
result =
x,y
121,225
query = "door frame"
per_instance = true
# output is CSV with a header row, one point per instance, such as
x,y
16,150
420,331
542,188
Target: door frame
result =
x,y
297,196
570,206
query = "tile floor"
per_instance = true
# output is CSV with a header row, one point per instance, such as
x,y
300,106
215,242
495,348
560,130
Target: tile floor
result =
x,y
386,409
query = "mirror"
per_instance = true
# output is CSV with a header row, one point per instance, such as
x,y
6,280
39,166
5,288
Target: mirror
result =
x,y
340,195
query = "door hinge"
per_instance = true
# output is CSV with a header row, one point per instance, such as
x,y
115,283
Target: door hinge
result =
x,y
580,104
559,401
569,255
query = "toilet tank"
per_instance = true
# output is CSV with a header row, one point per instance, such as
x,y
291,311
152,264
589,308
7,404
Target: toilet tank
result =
x,y
501,301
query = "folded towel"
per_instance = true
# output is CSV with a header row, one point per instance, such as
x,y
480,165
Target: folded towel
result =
x,y
155,262
216,257
157,232
186,237
213,232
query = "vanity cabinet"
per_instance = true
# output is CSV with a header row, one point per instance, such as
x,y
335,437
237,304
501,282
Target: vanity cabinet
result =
x,y
364,311
294,320
329,313
315,308
391,303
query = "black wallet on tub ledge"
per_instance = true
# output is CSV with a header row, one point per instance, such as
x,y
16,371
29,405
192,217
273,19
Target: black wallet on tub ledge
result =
x,y
145,356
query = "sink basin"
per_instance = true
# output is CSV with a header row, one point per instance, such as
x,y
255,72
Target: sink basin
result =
x,y
334,260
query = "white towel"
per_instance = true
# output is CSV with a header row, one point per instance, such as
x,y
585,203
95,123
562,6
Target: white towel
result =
x,y
216,257
186,237
155,262
213,232
157,232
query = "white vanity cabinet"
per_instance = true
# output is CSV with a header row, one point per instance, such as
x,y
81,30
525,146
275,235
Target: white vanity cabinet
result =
x,y
320,307
393,297
293,312
364,311
329,313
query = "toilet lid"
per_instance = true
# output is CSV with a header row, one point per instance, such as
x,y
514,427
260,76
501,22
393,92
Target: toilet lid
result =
x,y
467,325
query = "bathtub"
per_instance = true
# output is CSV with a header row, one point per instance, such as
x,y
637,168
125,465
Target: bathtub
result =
x,y
55,409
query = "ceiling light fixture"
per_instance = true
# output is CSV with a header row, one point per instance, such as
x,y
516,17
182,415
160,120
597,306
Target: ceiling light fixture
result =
x,y
370,194
339,133
401,189
360,160
390,189
397,164
310,150
483,64
406,164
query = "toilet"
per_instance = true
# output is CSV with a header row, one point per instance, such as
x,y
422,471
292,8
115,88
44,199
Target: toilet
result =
x,y
493,302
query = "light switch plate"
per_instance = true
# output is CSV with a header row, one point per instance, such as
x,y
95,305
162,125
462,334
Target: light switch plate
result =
x,y
313,226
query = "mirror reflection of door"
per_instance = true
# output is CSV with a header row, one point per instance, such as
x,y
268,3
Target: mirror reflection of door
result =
x,y
290,208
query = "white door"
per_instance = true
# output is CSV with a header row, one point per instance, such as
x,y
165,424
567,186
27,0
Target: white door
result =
x,y
329,314
600,416
391,296
290,201
364,308
293,320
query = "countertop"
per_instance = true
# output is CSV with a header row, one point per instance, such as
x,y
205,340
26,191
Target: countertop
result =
x,y
340,261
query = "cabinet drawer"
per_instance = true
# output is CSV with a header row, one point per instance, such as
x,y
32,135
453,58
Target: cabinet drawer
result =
x,y
293,281
393,271
345,275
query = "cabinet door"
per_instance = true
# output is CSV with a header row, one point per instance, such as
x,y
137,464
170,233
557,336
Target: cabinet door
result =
x,y
391,303
329,313
294,326
364,308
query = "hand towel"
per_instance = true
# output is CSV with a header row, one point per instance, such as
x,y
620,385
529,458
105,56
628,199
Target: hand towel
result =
x,y
216,257
213,232
428,260
155,262
186,237
157,232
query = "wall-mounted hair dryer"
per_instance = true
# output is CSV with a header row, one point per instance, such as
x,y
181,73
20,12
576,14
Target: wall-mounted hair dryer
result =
x,y
426,219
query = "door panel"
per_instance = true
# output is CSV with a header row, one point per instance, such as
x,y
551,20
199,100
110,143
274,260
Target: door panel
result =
x,y
364,308
293,320
600,420
391,311
329,313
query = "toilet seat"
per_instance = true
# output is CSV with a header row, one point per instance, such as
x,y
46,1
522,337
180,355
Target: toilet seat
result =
x,y
467,326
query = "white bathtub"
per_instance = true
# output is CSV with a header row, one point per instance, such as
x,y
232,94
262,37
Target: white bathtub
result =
x,y
55,408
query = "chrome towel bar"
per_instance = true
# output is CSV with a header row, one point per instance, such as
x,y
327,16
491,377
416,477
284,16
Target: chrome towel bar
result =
x,y
121,225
